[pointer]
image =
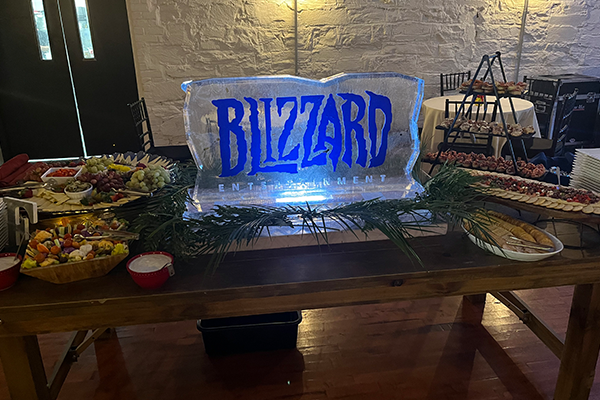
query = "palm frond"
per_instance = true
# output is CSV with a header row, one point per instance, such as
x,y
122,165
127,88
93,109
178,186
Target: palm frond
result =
x,y
451,196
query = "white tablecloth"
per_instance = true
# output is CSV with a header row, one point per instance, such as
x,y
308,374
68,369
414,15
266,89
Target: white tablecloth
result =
x,y
433,114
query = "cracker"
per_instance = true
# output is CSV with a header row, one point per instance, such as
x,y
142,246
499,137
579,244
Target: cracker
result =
x,y
547,202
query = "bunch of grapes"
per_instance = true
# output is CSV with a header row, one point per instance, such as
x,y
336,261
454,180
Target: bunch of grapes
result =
x,y
96,164
57,164
149,179
103,181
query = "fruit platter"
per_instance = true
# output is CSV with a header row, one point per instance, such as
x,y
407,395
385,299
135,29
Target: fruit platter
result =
x,y
94,183
72,251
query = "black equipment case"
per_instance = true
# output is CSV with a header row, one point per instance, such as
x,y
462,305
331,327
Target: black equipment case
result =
x,y
546,93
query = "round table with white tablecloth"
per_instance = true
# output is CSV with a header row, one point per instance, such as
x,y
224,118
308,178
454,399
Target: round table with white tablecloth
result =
x,y
433,114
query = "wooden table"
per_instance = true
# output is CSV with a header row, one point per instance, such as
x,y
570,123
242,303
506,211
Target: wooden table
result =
x,y
295,279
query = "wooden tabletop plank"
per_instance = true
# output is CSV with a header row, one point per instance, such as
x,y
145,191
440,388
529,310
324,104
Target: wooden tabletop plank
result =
x,y
283,280
269,267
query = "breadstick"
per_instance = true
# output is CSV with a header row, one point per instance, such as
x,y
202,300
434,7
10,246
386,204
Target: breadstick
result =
x,y
516,230
539,236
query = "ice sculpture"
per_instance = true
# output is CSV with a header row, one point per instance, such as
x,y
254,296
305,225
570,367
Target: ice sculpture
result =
x,y
278,140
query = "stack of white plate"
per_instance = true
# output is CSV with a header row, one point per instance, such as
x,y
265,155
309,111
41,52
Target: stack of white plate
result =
x,y
3,225
586,170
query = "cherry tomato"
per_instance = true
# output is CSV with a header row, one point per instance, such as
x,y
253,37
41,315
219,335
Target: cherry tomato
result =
x,y
76,245
81,227
55,250
33,244
68,243
63,172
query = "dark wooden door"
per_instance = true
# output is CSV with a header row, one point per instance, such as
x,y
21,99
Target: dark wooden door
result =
x,y
39,99
37,107
106,83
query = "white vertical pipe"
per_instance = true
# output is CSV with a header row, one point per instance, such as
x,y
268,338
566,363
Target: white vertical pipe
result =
x,y
296,37
520,44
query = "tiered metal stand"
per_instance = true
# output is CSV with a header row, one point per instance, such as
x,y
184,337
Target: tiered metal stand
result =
x,y
466,107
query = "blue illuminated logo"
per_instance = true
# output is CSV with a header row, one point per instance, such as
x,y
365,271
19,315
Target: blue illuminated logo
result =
x,y
335,145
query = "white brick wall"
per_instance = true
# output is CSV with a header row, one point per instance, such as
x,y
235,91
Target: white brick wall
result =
x,y
177,40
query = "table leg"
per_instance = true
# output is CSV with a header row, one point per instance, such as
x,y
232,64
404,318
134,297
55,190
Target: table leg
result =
x,y
23,368
582,343
476,298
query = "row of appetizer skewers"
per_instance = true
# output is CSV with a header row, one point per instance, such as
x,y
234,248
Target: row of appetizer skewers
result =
x,y
496,128
487,163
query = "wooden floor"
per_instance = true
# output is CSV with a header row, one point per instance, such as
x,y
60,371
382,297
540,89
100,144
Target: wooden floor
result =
x,y
429,349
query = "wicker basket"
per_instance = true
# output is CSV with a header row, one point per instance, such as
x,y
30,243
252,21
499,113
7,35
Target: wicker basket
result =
x,y
75,271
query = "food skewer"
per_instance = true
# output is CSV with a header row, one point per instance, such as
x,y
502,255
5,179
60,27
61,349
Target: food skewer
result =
x,y
532,243
529,246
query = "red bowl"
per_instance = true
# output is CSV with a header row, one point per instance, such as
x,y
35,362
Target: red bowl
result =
x,y
154,279
9,276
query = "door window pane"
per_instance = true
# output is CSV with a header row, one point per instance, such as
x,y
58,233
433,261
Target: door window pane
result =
x,y
41,29
83,23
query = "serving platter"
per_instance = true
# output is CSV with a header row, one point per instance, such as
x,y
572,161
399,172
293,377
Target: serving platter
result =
x,y
542,203
56,204
515,255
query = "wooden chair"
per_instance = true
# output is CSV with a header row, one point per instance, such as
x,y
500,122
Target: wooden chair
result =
x,y
141,122
453,81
